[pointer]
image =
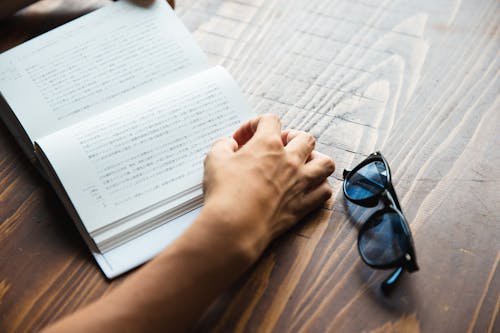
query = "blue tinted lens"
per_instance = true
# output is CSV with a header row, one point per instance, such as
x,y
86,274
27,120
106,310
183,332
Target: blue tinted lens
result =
x,y
368,181
383,239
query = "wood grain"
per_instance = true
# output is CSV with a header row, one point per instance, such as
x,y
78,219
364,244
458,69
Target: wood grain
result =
x,y
418,80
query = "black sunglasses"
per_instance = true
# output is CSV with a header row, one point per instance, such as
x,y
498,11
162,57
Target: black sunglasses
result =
x,y
384,240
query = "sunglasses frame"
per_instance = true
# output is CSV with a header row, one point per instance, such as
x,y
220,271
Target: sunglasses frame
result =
x,y
391,205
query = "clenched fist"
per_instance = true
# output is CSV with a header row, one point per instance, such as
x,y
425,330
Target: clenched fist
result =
x,y
262,181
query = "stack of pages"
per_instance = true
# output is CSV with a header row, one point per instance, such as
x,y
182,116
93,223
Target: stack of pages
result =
x,y
119,108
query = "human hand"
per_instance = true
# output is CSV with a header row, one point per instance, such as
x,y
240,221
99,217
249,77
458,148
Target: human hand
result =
x,y
257,185
148,2
262,181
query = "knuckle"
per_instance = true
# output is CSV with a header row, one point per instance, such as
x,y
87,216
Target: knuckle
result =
x,y
221,141
329,164
293,163
327,190
274,143
308,138
206,160
215,144
270,116
291,134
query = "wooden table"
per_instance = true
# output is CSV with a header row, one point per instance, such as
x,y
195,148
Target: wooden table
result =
x,y
418,80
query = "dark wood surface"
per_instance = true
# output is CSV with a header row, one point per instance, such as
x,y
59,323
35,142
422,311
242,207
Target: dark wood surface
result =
x,y
418,80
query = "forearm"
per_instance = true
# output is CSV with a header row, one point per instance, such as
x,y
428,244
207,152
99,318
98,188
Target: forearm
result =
x,y
174,289
256,186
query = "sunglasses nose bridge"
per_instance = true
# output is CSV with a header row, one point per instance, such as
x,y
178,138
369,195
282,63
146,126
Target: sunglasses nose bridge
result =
x,y
388,199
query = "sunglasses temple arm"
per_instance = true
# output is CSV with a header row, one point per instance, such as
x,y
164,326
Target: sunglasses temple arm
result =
x,y
390,282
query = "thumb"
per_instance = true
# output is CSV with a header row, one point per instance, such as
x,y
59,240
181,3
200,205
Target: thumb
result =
x,y
224,146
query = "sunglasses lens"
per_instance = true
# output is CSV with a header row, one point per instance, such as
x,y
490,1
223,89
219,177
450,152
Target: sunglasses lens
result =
x,y
368,181
383,239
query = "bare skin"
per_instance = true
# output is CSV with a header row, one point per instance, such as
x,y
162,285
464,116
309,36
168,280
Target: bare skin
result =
x,y
9,7
257,185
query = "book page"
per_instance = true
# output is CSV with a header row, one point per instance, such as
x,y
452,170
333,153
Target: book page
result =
x,y
95,62
146,153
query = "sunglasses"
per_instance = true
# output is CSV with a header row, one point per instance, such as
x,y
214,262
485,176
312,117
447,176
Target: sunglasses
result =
x,y
384,240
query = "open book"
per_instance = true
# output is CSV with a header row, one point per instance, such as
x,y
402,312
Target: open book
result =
x,y
119,107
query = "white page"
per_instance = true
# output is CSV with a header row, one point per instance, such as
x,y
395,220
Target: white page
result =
x,y
130,227
147,151
98,61
141,249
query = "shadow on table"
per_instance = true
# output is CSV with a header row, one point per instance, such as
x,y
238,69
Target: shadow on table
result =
x,y
27,25
49,223
398,300
59,230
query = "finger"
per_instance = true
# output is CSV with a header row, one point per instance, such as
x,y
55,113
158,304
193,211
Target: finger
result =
x,y
292,135
143,3
318,169
288,135
245,132
284,136
320,163
301,145
224,146
149,2
315,198
265,126
268,125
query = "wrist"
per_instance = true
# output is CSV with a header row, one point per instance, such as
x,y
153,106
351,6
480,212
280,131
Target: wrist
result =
x,y
241,235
